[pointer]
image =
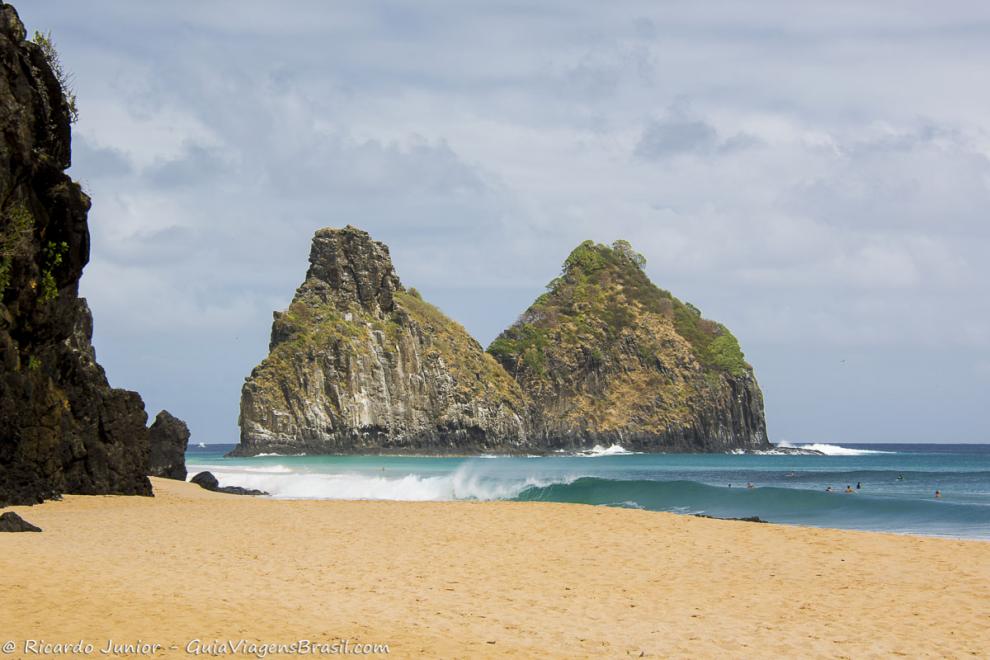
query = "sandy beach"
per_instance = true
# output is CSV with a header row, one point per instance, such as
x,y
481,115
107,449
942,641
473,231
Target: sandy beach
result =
x,y
468,579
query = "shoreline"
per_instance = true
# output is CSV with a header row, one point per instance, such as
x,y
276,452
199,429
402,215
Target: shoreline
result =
x,y
482,578
563,453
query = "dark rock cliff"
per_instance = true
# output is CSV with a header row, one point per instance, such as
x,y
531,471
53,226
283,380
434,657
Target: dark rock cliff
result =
x,y
357,364
63,429
605,357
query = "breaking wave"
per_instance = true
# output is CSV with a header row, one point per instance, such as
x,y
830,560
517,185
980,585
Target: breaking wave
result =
x,y
467,483
598,450
833,450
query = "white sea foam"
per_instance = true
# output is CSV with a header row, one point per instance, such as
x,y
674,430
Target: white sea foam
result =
x,y
834,450
274,454
217,468
629,504
598,450
231,471
783,450
466,483
267,469
202,445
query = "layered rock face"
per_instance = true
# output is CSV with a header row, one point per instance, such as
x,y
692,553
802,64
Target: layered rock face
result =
x,y
358,364
605,357
63,429
169,437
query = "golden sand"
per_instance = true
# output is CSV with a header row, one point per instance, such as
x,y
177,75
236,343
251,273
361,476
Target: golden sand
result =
x,y
471,579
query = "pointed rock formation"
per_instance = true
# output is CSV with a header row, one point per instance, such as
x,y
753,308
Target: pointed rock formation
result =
x,y
358,364
605,357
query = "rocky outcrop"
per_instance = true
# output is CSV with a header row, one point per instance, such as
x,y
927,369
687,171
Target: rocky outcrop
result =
x,y
11,522
605,357
208,481
168,437
63,429
359,364
753,519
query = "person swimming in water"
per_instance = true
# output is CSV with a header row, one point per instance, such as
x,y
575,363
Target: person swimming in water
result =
x,y
849,488
828,489
938,494
858,485
750,485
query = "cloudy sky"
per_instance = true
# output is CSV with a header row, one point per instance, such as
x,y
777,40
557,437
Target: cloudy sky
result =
x,y
815,178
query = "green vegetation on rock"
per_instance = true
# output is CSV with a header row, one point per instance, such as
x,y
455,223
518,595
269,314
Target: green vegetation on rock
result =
x,y
523,341
15,240
713,344
53,255
47,45
602,292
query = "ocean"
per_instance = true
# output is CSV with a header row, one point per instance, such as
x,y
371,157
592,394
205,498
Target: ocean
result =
x,y
896,482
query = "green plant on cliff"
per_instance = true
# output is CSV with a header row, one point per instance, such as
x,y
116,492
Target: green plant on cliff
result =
x,y
53,256
585,258
713,344
47,45
15,240
625,249
524,343
724,353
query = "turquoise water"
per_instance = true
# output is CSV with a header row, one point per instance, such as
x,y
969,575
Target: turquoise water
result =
x,y
896,494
